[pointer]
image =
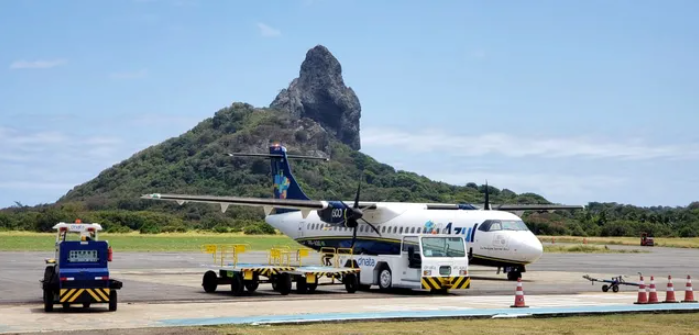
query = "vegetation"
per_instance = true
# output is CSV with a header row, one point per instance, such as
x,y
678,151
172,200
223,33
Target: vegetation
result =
x,y
196,163
581,248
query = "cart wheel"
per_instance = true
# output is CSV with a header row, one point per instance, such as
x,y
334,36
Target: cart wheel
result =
x,y
351,282
301,285
48,300
615,289
210,281
112,300
605,288
284,283
237,285
252,285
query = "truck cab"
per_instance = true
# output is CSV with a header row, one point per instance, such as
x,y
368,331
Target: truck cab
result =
x,y
79,271
432,262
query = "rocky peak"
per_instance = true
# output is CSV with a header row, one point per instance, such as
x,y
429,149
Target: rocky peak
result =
x,y
319,93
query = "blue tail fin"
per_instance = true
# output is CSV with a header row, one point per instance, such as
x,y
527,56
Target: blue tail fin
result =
x,y
285,185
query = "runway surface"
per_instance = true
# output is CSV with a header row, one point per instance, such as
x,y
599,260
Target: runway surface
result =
x,y
174,276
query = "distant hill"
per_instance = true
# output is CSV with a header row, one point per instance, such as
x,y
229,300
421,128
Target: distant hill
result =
x,y
316,115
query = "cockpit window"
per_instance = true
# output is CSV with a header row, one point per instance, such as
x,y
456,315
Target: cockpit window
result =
x,y
499,225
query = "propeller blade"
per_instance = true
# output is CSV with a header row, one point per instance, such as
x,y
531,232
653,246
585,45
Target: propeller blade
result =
x,y
372,226
354,237
487,198
359,188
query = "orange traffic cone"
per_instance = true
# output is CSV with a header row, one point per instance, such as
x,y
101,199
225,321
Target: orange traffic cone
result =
x,y
670,293
652,294
688,292
642,299
519,295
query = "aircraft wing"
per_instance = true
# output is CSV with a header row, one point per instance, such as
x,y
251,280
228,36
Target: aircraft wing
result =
x,y
534,207
255,202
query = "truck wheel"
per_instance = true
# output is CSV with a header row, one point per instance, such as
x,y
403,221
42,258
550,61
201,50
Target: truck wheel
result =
x,y
210,281
112,300
351,283
385,278
48,300
284,283
237,285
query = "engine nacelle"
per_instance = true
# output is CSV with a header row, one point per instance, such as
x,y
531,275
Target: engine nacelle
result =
x,y
336,214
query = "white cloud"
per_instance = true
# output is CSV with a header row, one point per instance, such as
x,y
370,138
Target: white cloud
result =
x,y
129,75
268,31
521,146
37,64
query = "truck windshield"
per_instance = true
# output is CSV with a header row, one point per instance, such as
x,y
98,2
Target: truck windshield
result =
x,y
443,247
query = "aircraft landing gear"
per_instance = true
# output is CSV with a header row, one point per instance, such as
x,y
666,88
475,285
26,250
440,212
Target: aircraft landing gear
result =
x,y
514,275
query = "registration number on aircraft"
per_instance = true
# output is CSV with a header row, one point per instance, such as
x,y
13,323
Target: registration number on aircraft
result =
x,y
366,261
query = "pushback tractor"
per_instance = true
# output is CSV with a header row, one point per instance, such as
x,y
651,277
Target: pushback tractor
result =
x,y
79,271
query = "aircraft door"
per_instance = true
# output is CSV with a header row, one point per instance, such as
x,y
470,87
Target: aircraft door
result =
x,y
301,225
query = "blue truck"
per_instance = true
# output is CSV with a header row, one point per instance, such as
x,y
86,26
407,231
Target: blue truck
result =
x,y
79,271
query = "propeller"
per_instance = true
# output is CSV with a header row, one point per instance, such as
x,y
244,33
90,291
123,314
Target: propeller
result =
x,y
354,213
487,206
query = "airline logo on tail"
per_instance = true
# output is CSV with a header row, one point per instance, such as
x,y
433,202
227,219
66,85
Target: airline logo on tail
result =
x,y
281,184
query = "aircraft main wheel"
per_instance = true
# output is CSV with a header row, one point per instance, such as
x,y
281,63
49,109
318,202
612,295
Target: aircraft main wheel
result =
x,y
210,281
514,275
385,279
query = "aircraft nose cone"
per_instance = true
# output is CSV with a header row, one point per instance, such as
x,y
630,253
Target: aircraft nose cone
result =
x,y
531,248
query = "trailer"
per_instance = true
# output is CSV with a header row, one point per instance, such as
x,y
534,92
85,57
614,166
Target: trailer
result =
x,y
433,262
279,272
79,272
613,283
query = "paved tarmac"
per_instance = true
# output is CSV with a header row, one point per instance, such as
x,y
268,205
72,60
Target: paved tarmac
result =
x,y
31,318
174,276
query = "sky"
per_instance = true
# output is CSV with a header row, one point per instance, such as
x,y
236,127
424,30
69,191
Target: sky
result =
x,y
578,101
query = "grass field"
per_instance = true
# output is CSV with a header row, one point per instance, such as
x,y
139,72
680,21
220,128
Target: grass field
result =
x,y
28,241
191,241
674,242
590,249
648,324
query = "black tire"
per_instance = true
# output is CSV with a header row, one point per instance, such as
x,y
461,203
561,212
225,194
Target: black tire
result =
x,y
48,300
86,305
363,287
301,285
351,282
312,287
615,288
605,288
252,285
66,305
237,286
210,281
514,275
385,278
284,283
113,297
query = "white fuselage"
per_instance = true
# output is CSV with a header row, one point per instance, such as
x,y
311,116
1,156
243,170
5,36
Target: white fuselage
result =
x,y
498,246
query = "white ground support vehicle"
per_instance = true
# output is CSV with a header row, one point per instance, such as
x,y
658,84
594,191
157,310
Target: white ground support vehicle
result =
x,y
434,262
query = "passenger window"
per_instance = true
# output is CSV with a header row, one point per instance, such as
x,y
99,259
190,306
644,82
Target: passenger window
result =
x,y
383,229
401,230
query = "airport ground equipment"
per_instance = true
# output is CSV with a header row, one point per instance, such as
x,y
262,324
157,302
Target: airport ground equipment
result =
x,y
228,270
613,283
647,241
434,262
79,271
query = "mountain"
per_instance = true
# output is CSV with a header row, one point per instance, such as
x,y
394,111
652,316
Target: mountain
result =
x,y
316,115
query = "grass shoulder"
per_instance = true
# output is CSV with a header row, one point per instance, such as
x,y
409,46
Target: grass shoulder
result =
x,y
589,249
671,242
134,241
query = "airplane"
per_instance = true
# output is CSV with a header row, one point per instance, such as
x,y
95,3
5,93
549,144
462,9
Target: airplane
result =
x,y
495,236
